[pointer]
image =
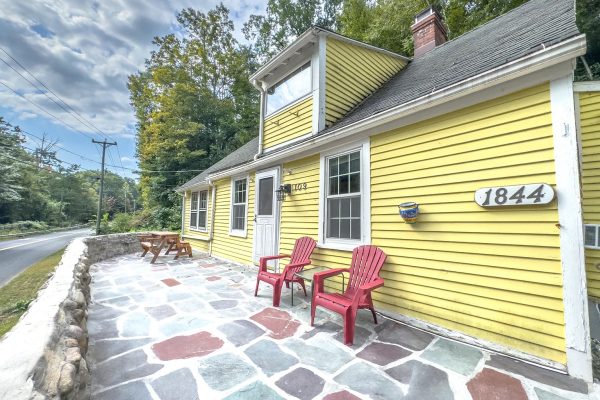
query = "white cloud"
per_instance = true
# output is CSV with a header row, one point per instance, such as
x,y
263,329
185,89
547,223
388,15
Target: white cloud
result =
x,y
85,50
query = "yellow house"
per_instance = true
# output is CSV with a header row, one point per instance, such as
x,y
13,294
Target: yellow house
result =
x,y
482,132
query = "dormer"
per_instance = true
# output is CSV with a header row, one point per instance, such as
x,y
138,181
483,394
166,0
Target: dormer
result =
x,y
315,81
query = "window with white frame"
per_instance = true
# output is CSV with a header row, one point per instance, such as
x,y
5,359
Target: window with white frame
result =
x,y
592,236
198,207
343,196
238,205
295,86
202,207
194,211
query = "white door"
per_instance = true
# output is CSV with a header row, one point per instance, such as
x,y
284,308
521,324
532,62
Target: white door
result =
x,y
266,215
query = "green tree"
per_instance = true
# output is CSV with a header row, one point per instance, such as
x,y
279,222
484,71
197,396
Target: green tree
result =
x,y
588,21
285,20
194,104
13,162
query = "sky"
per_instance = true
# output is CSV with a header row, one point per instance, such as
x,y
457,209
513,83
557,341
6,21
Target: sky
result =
x,y
83,52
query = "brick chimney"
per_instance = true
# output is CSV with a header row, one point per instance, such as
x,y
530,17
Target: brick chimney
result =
x,y
428,31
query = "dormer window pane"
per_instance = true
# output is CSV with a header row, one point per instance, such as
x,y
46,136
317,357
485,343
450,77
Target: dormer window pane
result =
x,y
293,87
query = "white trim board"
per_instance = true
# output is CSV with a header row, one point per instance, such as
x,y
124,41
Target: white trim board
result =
x,y
590,86
570,216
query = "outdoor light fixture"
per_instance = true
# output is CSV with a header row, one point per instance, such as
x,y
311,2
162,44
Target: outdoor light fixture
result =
x,y
282,191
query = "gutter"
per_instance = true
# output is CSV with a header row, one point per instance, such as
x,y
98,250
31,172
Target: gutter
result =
x,y
546,57
261,122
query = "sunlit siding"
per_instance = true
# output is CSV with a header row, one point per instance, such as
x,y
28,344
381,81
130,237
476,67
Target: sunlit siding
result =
x,y
491,273
300,213
288,124
225,245
589,106
193,236
494,274
351,74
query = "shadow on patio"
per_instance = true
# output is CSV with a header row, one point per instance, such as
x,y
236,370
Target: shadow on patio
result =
x,y
192,328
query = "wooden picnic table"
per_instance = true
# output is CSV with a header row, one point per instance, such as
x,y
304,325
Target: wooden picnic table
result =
x,y
154,242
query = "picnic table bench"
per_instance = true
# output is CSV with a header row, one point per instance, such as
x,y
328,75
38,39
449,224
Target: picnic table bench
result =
x,y
154,242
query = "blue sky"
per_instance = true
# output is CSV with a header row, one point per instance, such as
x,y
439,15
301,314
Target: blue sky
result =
x,y
84,51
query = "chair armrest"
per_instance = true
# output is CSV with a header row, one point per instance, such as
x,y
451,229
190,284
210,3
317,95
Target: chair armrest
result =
x,y
295,267
330,273
263,260
319,277
367,287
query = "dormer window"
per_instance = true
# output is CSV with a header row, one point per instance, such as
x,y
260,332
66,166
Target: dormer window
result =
x,y
293,87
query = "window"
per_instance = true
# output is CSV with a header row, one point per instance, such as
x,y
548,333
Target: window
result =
x,y
592,236
202,206
194,211
296,85
198,207
345,197
238,205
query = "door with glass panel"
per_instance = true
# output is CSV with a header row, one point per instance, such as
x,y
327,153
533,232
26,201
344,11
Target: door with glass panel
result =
x,y
266,215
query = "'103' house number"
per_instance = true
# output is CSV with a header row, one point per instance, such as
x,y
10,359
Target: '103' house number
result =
x,y
518,195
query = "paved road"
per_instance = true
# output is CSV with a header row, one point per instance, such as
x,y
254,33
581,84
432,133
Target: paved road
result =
x,y
16,255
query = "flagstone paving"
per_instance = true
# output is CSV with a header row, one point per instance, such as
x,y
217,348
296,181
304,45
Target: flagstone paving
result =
x,y
192,329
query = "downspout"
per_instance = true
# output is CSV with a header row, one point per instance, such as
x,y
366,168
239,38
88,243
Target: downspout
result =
x,y
183,214
212,215
261,123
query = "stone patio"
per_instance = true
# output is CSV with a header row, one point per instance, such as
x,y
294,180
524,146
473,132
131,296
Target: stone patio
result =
x,y
192,329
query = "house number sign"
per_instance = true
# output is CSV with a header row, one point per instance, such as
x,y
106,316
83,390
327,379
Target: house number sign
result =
x,y
519,195
299,186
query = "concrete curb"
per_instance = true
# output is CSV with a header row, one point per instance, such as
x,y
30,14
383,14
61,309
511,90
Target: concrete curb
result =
x,y
44,355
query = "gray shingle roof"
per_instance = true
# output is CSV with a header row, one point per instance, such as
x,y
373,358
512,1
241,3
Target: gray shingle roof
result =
x,y
240,156
508,37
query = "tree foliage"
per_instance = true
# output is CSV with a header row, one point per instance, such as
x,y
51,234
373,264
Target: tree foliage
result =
x,y
194,104
285,20
34,186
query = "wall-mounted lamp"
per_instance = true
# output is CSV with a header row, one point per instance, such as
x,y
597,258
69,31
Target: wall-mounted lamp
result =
x,y
282,191
409,212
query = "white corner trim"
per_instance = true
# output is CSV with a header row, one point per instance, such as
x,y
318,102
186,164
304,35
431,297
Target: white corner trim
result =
x,y
566,156
238,232
183,212
365,192
590,86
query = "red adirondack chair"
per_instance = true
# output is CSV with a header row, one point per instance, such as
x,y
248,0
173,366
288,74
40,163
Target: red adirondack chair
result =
x,y
299,258
364,277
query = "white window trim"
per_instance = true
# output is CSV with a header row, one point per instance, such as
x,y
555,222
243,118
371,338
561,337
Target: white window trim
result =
x,y
597,227
365,192
194,227
197,228
238,232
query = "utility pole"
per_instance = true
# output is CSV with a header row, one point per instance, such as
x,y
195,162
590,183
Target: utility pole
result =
x,y
104,144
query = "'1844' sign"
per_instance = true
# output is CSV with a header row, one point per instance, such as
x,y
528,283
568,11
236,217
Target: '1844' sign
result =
x,y
519,195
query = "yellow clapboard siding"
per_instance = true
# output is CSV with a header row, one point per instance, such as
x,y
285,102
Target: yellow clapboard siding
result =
x,y
289,123
351,74
224,244
187,232
589,109
201,245
491,273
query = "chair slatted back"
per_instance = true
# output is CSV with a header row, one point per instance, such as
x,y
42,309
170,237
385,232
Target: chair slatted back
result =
x,y
303,248
367,261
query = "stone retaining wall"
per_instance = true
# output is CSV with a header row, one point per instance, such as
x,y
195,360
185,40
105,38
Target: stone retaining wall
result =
x,y
44,355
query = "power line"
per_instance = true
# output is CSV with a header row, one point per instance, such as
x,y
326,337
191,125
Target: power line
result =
x,y
82,119
44,110
114,166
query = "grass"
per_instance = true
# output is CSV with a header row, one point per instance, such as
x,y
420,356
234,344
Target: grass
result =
x,y
16,295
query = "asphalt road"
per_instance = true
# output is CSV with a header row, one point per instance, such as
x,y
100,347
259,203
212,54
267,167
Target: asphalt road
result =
x,y
17,255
